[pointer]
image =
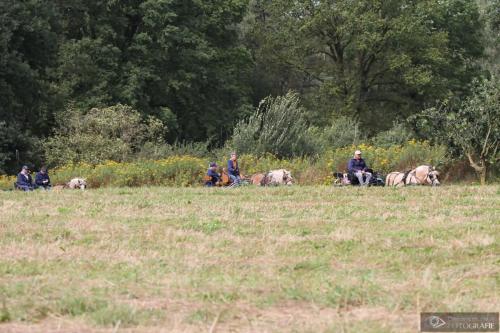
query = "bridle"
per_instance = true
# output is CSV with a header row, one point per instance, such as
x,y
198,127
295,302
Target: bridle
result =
x,y
431,176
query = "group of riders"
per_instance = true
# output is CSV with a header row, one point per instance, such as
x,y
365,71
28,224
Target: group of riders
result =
x,y
359,173
213,178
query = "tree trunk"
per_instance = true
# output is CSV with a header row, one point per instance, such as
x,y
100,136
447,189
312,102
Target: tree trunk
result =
x,y
482,176
480,168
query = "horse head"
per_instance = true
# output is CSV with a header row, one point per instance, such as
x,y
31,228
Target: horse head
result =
x,y
433,177
287,178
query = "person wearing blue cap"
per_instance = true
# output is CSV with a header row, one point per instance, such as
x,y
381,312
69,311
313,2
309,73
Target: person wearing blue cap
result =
x,y
24,181
42,179
213,177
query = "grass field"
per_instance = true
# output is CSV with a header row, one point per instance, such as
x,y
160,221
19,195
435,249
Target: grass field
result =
x,y
299,259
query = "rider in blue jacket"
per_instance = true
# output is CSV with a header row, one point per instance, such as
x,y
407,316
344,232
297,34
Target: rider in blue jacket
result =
x,y
357,167
42,179
233,169
213,174
24,181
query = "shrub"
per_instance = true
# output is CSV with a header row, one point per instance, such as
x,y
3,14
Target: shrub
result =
x,y
397,135
113,133
278,127
155,150
343,132
7,182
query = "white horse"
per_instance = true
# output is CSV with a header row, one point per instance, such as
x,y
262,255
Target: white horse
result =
x,y
273,177
77,183
421,175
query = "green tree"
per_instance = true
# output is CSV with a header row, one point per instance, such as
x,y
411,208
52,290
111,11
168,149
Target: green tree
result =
x,y
370,60
28,56
165,58
490,10
473,126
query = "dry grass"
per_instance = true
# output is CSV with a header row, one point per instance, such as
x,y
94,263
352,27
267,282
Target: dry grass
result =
x,y
302,259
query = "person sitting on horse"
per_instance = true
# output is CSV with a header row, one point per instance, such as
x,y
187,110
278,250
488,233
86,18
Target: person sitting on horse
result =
x,y
213,175
24,181
357,167
42,179
233,169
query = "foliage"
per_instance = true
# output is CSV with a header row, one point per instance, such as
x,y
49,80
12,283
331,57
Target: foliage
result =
x,y
189,170
159,150
278,127
180,55
491,16
172,171
397,135
343,131
474,125
17,147
200,67
28,56
113,133
374,60
7,182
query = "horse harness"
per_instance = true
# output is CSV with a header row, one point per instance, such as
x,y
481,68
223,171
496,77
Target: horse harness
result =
x,y
429,176
268,179
405,176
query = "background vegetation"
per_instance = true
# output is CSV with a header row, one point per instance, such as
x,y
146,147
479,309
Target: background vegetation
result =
x,y
188,170
122,80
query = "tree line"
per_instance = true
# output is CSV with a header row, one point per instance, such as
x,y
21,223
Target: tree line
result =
x,y
201,67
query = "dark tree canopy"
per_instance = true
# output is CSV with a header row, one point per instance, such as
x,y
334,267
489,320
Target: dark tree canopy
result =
x,y
200,67
368,59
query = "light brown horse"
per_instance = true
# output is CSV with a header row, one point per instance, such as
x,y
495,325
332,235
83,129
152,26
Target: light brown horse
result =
x,y
421,175
273,177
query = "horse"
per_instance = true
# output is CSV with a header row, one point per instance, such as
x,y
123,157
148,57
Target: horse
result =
x,y
257,179
421,175
77,183
273,177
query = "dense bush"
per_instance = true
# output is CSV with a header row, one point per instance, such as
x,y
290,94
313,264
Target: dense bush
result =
x,y
278,127
397,135
114,133
161,150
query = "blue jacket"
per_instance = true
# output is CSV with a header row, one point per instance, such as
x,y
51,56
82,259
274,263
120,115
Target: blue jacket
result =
x,y
22,181
231,169
356,165
40,177
215,177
